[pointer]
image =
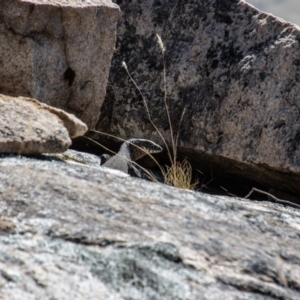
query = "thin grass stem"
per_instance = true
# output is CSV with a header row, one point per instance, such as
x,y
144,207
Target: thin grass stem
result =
x,y
147,109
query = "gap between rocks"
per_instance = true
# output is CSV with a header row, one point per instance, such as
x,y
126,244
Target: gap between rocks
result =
x,y
217,175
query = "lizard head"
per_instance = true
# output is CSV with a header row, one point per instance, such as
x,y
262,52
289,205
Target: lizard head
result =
x,y
141,147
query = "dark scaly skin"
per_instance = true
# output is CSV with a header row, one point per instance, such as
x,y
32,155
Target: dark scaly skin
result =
x,y
131,150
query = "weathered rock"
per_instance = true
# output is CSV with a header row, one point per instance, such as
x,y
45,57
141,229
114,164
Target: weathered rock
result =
x,y
30,127
235,69
80,232
58,52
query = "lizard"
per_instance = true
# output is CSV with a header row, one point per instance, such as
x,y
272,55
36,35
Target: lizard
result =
x,y
129,152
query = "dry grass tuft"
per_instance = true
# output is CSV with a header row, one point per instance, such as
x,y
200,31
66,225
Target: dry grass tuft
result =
x,y
180,175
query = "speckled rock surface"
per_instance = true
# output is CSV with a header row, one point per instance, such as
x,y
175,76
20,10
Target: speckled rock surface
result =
x,y
77,232
58,52
30,127
235,69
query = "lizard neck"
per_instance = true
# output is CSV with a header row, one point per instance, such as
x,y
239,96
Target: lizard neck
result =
x,y
125,151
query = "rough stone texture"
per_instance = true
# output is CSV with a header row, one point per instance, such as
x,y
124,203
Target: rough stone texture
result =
x,y
30,127
58,52
235,69
76,232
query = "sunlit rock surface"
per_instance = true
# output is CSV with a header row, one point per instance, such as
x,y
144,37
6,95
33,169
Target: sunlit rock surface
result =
x,y
71,231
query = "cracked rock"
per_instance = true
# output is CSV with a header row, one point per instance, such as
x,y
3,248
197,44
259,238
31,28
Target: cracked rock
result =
x,y
58,52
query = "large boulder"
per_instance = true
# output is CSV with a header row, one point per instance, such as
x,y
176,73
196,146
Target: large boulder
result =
x,y
30,127
58,52
72,231
234,68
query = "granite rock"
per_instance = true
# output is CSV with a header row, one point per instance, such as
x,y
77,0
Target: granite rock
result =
x,y
235,69
70,231
58,52
30,127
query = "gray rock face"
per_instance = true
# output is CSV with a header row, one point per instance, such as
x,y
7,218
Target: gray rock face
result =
x,y
235,69
58,52
30,127
76,232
